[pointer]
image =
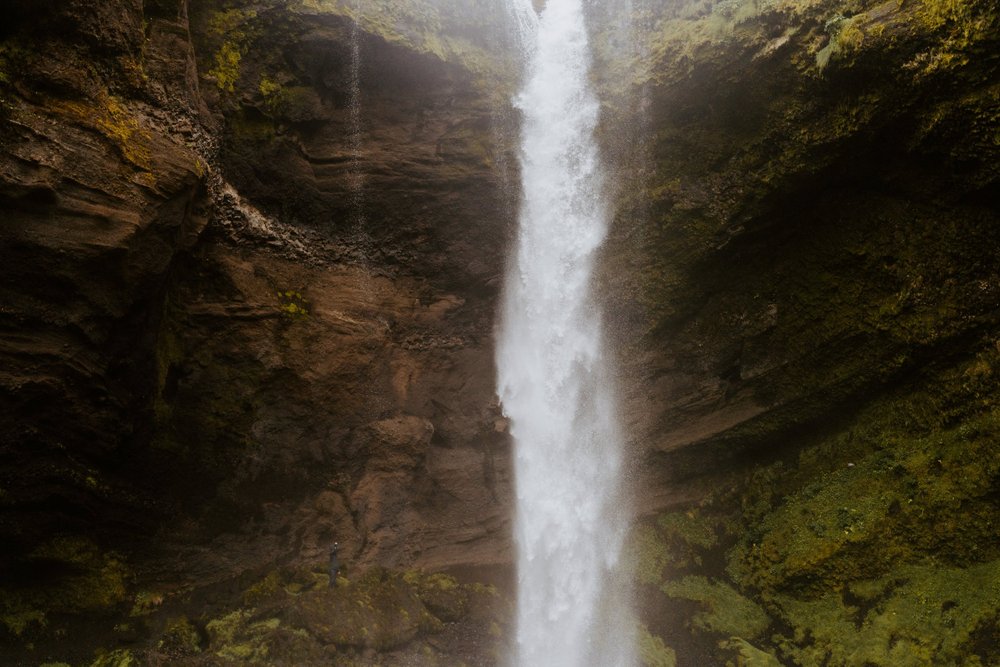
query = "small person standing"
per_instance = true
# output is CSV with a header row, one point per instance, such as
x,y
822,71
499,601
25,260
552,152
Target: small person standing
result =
x,y
334,562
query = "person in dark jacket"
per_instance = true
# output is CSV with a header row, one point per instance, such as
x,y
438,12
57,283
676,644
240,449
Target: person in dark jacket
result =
x,y
334,561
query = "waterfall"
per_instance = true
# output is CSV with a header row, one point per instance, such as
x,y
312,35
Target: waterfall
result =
x,y
356,133
553,379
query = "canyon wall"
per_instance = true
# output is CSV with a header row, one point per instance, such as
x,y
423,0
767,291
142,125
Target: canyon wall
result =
x,y
806,269
252,260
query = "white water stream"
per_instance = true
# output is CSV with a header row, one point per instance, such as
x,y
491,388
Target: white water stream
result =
x,y
356,133
552,375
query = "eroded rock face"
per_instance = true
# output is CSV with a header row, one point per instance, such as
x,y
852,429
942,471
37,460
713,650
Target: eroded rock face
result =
x,y
802,282
99,193
361,363
336,382
252,385
814,286
813,229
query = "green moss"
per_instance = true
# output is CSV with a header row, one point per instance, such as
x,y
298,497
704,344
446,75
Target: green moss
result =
x,y
918,615
119,125
110,116
693,528
253,646
180,637
227,66
237,30
268,88
291,103
293,304
846,36
840,513
244,638
912,495
853,338
799,121
300,580
747,655
878,545
116,658
668,42
965,26
379,610
382,609
939,13
441,594
702,33
17,617
89,580
677,541
223,630
724,611
649,553
653,652
263,590
246,653
440,582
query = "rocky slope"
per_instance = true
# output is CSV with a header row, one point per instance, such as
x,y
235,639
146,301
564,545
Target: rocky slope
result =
x,y
252,253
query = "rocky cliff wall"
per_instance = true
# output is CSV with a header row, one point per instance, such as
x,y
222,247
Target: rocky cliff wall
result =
x,y
252,253
812,306
102,190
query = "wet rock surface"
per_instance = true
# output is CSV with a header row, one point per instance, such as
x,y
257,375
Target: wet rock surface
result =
x,y
208,384
100,193
246,311
817,304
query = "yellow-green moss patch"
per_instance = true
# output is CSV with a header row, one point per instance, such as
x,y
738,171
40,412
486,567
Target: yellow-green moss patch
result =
x,y
235,29
653,652
918,615
724,611
110,116
117,658
90,580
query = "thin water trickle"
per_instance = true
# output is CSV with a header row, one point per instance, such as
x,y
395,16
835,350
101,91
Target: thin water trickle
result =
x,y
553,378
356,134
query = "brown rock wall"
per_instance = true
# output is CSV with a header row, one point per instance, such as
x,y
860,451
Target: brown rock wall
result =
x,y
99,196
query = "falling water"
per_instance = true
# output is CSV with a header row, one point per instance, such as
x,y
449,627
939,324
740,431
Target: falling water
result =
x,y
356,133
552,375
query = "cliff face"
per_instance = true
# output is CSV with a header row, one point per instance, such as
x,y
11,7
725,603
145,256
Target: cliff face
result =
x,y
252,255
343,347
252,260
819,194
101,191
817,366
